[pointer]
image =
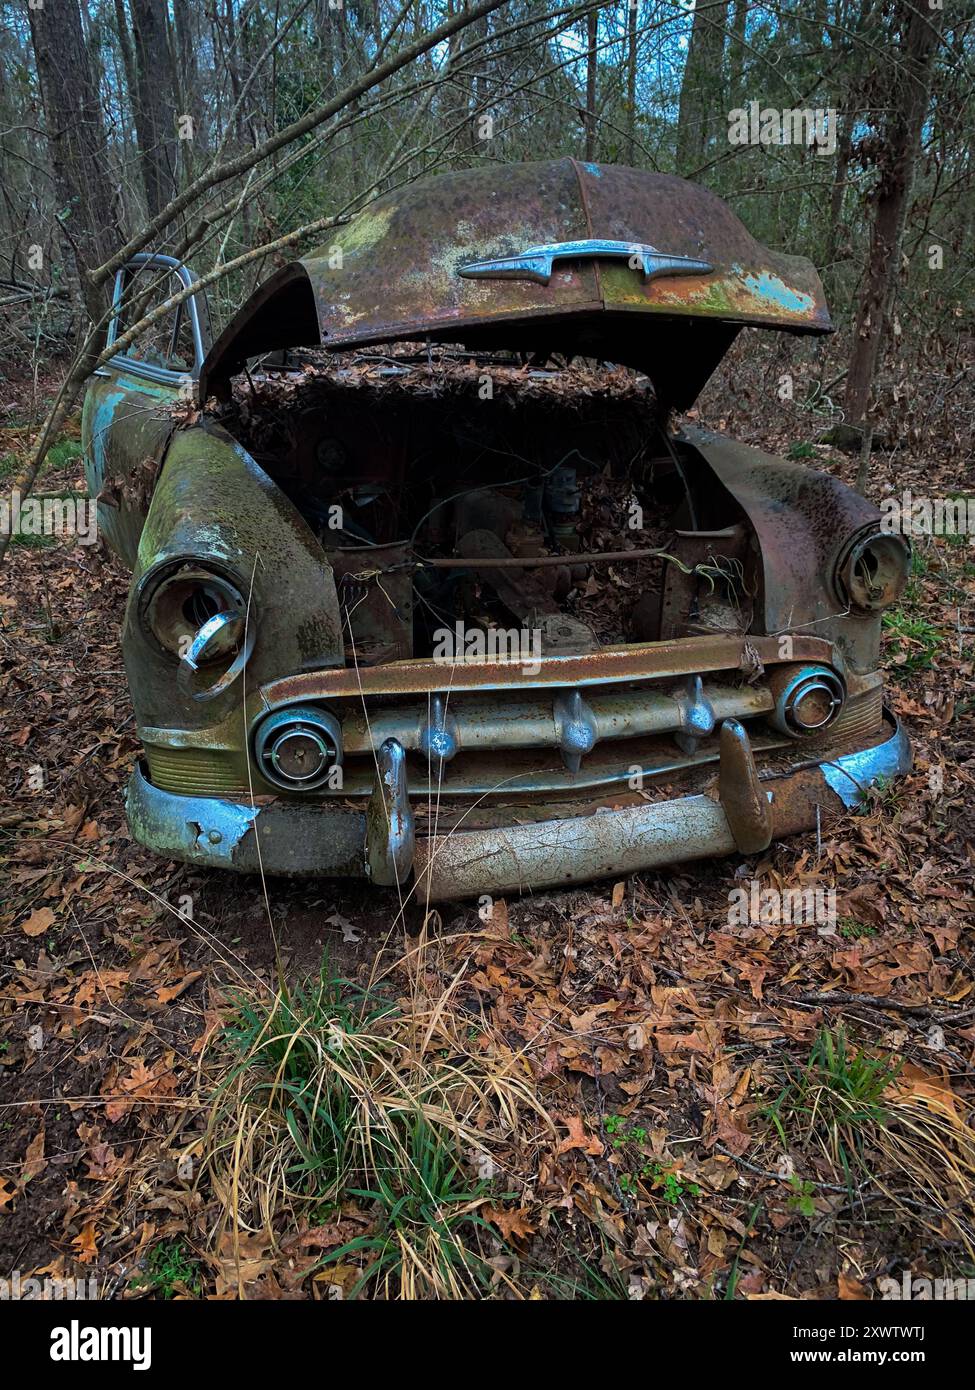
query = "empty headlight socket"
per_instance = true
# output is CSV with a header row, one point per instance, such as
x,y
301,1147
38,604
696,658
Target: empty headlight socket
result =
x,y
873,570
178,596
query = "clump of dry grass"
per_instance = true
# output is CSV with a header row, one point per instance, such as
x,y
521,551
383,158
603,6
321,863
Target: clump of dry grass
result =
x,y
892,1128
336,1098
929,1140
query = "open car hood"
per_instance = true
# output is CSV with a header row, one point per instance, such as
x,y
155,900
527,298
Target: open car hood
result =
x,y
552,256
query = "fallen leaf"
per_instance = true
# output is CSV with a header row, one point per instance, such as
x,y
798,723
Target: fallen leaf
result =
x,y
85,1244
511,1223
166,995
850,1288
934,1092
578,1138
34,1160
242,1260
40,921
322,1237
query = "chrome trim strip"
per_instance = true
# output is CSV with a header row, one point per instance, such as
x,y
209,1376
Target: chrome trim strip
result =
x,y
477,725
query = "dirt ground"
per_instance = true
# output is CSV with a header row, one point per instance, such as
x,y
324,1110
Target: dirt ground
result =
x,y
656,1034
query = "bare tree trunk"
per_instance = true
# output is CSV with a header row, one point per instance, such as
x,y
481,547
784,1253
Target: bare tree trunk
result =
x,y
76,134
230,59
910,86
326,46
736,50
589,122
854,95
844,147
479,85
455,105
125,46
702,89
143,132
631,61
155,98
188,77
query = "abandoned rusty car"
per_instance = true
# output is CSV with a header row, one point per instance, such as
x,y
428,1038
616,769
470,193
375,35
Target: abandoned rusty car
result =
x,y
429,589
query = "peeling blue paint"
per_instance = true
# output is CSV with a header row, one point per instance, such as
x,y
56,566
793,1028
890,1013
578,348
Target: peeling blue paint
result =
x,y
101,424
769,286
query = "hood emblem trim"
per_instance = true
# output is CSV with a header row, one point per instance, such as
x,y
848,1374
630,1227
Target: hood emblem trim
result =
x,y
536,262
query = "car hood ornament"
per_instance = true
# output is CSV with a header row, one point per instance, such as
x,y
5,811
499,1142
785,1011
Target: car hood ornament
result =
x,y
536,262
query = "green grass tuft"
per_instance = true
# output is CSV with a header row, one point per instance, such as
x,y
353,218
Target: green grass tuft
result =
x,y
835,1098
912,640
169,1270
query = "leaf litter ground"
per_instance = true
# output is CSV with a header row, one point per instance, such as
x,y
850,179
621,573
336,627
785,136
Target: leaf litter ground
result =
x,y
655,1036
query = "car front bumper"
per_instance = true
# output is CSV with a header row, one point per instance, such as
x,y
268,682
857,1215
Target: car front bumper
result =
x,y
741,813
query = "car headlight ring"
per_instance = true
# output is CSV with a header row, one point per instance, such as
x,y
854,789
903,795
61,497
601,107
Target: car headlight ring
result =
x,y
873,571
197,613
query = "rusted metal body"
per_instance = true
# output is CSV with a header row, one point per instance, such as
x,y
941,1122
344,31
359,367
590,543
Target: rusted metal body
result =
x,y
299,724
395,272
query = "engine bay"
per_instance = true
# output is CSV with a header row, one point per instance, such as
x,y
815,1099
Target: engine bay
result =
x,y
455,493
